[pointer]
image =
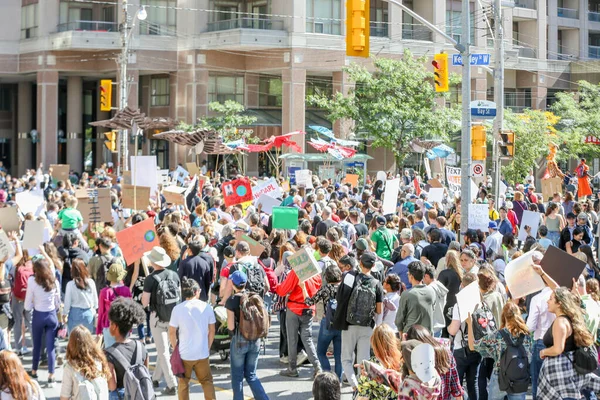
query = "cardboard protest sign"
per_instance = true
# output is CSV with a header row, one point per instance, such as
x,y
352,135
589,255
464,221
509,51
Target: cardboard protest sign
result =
x,y
33,236
285,218
180,174
551,186
193,168
390,198
127,177
352,179
143,172
479,217
434,183
94,205
521,278
562,266
304,264
436,195
236,192
136,240
174,195
467,300
268,187
326,172
304,178
31,202
141,194
6,249
9,220
503,188
256,249
60,172
267,203
453,177
531,219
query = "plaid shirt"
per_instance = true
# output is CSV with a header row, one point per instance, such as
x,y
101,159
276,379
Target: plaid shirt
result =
x,y
559,380
451,387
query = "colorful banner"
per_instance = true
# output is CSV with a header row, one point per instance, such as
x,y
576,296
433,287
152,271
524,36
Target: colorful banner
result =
x,y
136,240
268,187
236,192
453,176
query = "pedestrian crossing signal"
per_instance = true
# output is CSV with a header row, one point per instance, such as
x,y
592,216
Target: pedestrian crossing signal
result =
x,y
111,143
507,145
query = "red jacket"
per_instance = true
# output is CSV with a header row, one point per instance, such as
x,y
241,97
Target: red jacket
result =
x,y
290,286
514,220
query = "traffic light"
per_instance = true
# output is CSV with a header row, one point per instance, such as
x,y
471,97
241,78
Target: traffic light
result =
x,y
507,145
111,143
478,143
440,70
105,94
358,28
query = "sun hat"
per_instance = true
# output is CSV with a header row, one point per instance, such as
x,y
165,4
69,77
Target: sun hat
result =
x,y
116,273
158,256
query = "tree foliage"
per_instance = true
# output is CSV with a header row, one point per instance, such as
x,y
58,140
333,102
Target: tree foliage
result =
x,y
392,105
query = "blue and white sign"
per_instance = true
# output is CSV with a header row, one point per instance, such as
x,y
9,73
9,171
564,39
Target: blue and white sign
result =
x,y
355,164
483,109
476,59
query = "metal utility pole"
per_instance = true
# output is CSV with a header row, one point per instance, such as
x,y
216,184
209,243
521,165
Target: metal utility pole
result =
x,y
465,160
498,94
123,147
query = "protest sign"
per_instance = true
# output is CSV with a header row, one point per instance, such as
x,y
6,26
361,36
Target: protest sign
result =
x,y
434,183
352,179
327,172
292,174
503,188
193,168
268,187
163,176
436,195
521,278
33,236
127,177
31,202
141,194
6,249
390,198
9,220
479,217
94,205
453,177
381,176
285,186
304,264
180,175
467,300
531,219
304,178
562,266
60,172
143,172
256,249
551,186
285,218
267,203
174,195
137,239
236,192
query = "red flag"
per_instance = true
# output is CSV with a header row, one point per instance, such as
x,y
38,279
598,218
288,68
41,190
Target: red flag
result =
x,y
417,187
236,192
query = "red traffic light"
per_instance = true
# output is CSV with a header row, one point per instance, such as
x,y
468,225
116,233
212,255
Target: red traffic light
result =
x,y
435,64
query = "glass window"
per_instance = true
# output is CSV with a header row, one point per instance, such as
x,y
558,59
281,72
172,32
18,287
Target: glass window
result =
x,y
5,98
320,85
324,16
160,92
454,25
379,18
162,17
222,88
29,21
270,91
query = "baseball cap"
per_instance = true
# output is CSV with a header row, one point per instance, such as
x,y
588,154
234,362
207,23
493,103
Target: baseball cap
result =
x,y
413,196
242,247
361,244
380,220
238,278
368,259
570,216
492,225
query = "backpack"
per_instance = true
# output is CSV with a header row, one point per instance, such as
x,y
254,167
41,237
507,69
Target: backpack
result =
x,y
271,277
101,281
94,389
345,225
361,306
514,373
483,322
581,172
330,308
254,318
585,359
256,279
137,380
21,277
168,295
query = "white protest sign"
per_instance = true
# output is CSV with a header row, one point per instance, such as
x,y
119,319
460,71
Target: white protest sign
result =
x,y
33,236
453,177
142,172
267,203
521,278
163,176
304,264
326,172
467,300
503,188
474,190
531,219
390,198
381,176
6,249
180,174
268,187
31,202
479,217
436,195
304,178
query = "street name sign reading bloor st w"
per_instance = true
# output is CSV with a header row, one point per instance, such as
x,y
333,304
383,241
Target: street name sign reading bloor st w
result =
x,y
476,59
483,109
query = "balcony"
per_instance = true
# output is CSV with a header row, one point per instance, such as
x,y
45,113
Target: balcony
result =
x,y
88,26
594,51
594,16
417,33
568,13
246,23
530,4
526,52
379,29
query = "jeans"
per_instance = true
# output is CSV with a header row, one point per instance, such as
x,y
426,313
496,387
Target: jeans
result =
x,y
160,332
485,378
326,336
118,394
536,365
358,337
494,392
44,324
140,327
554,236
589,395
518,396
283,343
466,365
202,370
244,359
81,316
20,315
300,323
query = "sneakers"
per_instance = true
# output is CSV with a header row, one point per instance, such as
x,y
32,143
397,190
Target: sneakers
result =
x,y
284,359
302,358
24,351
155,384
169,391
31,374
289,373
50,383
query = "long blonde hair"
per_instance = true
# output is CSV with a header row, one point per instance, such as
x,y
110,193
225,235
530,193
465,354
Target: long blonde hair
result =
x,y
13,378
83,354
513,321
453,263
386,347
570,306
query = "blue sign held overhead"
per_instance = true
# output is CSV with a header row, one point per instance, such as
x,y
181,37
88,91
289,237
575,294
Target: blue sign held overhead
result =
x,y
476,59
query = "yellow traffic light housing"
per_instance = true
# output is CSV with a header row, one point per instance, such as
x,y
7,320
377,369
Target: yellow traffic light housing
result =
x,y
105,94
358,28
507,145
440,70
111,143
478,143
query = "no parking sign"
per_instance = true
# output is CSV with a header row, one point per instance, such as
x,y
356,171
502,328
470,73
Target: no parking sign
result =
x,y
477,169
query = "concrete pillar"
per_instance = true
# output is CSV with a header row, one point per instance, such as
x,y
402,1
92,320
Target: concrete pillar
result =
x,y
542,28
538,97
294,89
75,123
342,84
24,126
47,117
395,18
552,28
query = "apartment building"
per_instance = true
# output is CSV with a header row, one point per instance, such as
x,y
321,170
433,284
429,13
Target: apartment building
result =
x,y
266,54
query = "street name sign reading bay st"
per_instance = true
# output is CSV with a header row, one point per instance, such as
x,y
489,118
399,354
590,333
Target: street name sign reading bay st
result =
x,y
476,59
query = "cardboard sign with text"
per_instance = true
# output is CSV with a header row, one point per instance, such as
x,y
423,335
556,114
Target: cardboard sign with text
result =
x,y
304,264
60,172
192,168
551,186
141,194
174,195
137,239
94,205
9,219
479,217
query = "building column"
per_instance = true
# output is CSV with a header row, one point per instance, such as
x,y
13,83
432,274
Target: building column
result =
x,y
552,28
543,30
24,148
293,104
341,84
538,97
47,117
75,123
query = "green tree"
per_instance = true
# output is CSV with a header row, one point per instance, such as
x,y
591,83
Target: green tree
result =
x,y
392,105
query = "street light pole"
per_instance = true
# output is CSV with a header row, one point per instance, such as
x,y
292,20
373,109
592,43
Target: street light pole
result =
x,y
465,160
498,95
123,146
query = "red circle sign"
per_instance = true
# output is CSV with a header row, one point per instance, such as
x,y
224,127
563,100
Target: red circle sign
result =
x,y
478,169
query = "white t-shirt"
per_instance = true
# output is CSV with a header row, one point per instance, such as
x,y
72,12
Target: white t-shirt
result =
x,y
192,318
459,337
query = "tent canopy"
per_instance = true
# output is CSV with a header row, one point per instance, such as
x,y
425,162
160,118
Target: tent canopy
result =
x,y
322,157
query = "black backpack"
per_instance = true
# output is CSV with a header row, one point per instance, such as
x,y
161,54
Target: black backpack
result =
x,y
101,281
167,295
514,376
361,306
256,277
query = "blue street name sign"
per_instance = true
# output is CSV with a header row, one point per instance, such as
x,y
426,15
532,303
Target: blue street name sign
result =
x,y
476,59
483,109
